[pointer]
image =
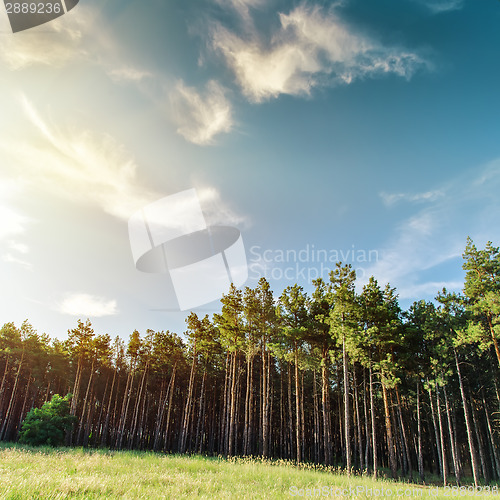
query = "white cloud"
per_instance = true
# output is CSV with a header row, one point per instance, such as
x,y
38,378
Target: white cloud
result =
x,y
129,74
216,211
390,199
85,305
79,35
12,222
436,234
437,6
12,259
242,7
51,44
19,247
77,165
312,47
200,116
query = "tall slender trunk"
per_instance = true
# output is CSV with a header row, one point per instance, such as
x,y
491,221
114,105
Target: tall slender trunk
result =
x,y
248,406
479,438
367,424
374,427
232,409
358,420
169,411
26,393
325,403
388,429
403,431
4,432
490,435
104,434
419,437
225,406
468,423
454,457
138,404
125,405
76,386
2,384
81,427
441,437
347,423
436,432
187,408
290,412
316,424
201,414
265,400
161,412
297,407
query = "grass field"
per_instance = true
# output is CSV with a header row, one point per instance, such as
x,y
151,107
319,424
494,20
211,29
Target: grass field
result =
x,y
46,473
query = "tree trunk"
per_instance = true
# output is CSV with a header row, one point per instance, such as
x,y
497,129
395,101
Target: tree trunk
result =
x,y
290,412
468,423
419,438
169,412
441,438
374,428
367,425
479,438
297,407
436,433
4,432
454,457
490,435
388,429
187,408
405,438
347,423
358,420
325,403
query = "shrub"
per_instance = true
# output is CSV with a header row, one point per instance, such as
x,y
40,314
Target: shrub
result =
x,y
47,425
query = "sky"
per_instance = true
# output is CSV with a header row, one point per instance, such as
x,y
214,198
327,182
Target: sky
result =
x,y
365,132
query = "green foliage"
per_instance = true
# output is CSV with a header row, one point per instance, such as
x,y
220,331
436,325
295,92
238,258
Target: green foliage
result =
x,y
47,425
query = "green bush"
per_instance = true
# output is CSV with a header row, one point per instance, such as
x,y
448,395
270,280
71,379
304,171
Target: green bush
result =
x,y
47,425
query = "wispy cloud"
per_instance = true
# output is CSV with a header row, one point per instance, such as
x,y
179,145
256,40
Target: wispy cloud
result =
x,y
129,74
13,259
391,199
216,210
312,47
75,37
200,116
438,6
12,222
241,7
78,165
85,305
52,44
436,233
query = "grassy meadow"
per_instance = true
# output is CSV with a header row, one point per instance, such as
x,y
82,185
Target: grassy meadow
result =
x,y
47,473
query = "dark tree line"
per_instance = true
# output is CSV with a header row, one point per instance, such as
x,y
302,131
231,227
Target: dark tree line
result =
x,y
337,378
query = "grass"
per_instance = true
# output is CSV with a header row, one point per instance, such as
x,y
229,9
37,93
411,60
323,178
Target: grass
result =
x,y
60,473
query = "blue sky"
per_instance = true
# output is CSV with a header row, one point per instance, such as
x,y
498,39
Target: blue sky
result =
x,y
367,130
